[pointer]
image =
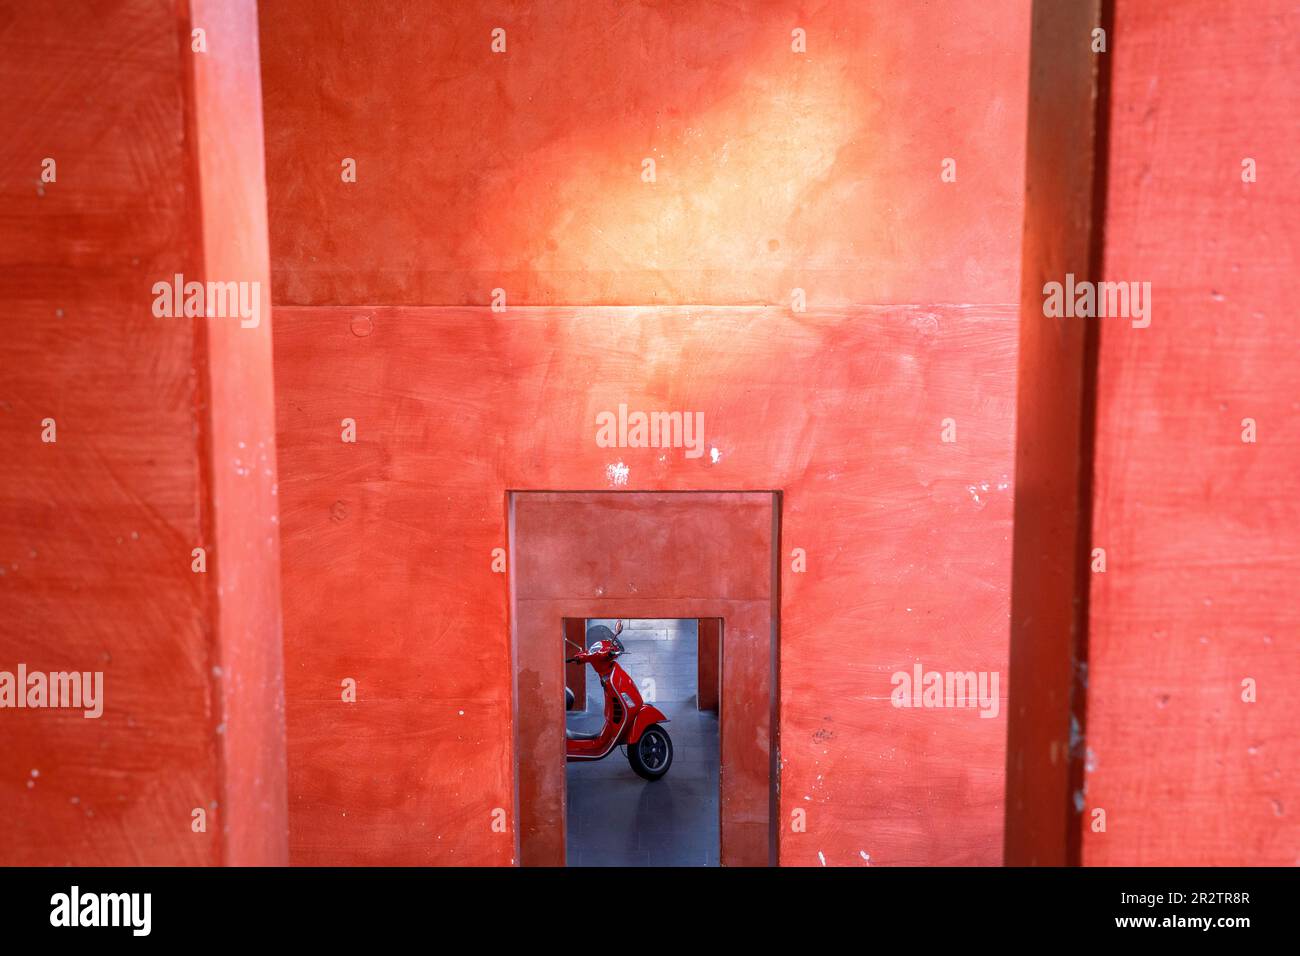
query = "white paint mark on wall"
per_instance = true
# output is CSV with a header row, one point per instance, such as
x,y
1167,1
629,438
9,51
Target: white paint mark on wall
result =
x,y
984,487
714,455
617,473
821,856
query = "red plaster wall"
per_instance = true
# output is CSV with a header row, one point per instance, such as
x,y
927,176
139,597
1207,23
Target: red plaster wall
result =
x,y
165,440
522,170
610,555
1201,530
775,170
388,546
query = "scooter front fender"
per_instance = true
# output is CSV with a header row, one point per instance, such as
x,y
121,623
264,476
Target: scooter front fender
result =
x,y
645,717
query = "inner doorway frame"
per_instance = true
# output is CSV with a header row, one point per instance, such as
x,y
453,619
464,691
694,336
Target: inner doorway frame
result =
x,y
708,648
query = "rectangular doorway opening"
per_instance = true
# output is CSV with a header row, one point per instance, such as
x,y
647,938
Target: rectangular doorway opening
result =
x,y
623,808
702,562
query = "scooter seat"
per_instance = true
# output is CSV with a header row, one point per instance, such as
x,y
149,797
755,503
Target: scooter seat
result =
x,y
579,735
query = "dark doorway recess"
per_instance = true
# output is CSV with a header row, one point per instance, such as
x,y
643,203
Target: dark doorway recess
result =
x,y
647,555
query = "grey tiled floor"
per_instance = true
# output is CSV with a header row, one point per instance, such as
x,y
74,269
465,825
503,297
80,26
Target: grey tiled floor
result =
x,y
617,819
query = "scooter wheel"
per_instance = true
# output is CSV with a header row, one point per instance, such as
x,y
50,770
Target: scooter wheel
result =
x,y
652,755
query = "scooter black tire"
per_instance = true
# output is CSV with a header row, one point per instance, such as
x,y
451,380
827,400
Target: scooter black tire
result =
x,y
652,754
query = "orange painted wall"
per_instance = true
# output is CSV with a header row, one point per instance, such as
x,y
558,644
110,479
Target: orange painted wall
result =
x,y
1201,530
521,171
165,440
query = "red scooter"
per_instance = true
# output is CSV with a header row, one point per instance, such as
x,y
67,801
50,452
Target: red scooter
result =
x,y
629,720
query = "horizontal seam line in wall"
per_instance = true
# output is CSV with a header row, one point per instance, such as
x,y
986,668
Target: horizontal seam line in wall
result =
x,y
661,305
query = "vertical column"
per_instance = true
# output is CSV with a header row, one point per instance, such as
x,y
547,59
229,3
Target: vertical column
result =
x,y
1053,438
139,533
230,156
1157,518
